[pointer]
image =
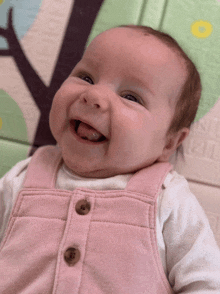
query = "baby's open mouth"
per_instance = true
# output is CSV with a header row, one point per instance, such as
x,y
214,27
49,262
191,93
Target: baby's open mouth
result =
x,y
87,132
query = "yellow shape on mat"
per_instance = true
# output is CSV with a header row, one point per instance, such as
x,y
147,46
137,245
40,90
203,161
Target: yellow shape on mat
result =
x,y
2,1
201,28
0,123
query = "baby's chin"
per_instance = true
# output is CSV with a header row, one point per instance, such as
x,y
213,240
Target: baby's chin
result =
x,y
95,173
103,168
89,172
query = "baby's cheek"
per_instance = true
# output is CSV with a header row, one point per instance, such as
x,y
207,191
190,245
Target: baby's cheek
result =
x,y
54,119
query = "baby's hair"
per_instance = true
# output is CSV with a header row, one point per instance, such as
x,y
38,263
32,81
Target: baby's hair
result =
x,y
188,102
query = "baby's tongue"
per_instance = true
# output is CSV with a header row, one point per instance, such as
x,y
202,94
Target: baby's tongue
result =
x,y
88,133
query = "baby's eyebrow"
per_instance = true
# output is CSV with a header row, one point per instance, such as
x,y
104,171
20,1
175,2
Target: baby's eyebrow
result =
x,y
91,61
82,66
139,83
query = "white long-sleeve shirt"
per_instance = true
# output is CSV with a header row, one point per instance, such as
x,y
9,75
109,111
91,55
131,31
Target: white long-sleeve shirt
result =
x,y
188,251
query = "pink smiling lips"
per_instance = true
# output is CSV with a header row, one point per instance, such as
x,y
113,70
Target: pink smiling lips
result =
x,y
86,132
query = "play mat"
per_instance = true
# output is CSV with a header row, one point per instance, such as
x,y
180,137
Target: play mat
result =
x,y
42,40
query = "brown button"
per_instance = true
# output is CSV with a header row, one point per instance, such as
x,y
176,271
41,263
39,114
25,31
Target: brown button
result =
x,y
82,207
72,256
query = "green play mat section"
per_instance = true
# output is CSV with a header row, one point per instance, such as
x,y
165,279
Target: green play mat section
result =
x,y
195,24
13,133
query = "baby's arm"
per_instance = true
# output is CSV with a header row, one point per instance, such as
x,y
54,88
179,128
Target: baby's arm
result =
x,y
192,255
10,185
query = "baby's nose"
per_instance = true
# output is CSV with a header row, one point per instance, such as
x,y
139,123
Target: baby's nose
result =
x,y
97,98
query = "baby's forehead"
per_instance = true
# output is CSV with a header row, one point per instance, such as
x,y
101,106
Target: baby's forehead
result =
x,y
130,35
133,42
123,39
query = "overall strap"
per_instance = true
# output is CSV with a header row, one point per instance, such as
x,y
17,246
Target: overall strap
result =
x,y
43,167
150,179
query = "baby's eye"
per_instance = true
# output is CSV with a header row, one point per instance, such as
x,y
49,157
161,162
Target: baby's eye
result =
x,y
131,98
86,79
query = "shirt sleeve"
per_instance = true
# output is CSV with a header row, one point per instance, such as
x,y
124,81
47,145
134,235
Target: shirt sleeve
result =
x,y
10,185
192,254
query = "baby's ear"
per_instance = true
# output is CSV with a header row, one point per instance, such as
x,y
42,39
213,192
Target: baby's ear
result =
x,y
173,142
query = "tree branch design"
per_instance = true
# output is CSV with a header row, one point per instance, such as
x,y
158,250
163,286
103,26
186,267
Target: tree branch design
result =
x,y
3,33
21,60
81,19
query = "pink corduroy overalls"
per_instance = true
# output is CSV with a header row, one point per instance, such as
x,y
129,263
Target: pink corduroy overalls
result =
x,y
83,241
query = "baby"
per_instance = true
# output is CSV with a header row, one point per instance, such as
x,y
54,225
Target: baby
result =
x,y
104,212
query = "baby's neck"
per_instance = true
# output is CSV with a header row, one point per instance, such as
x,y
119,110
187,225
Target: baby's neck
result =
x,y
117,182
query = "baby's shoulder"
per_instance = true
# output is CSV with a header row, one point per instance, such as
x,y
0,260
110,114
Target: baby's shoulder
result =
x,y
16,172
175,186
174,180
177,198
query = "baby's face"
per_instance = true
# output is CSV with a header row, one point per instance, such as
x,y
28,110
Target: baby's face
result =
x,y
112,114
